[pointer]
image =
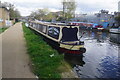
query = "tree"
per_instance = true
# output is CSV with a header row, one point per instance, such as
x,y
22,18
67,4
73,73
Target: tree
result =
x,y
69,7
46,15
33,14
14,13
40,14
49,17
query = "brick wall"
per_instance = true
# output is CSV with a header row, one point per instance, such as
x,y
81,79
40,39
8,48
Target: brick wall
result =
x,y
4,15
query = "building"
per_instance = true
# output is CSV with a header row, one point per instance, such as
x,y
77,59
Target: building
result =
x,y
102,18
85,17
119,6
4,16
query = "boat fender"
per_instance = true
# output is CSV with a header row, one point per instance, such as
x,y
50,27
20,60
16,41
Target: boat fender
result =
x,y
83,50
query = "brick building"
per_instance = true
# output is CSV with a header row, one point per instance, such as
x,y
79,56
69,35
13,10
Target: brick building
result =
x,y
4,16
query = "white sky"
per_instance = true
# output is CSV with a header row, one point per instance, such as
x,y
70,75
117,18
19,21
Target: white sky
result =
x,y
83,6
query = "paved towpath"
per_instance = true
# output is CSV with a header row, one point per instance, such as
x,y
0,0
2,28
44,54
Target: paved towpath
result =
x,y
15,60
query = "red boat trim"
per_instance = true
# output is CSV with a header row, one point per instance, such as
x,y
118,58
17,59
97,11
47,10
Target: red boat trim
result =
x,y
70,51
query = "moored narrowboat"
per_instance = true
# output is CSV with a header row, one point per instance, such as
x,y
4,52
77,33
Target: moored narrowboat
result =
x,y
88,26
115,30
65,38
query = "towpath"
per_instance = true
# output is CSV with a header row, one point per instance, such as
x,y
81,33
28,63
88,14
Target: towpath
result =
x,y
15,60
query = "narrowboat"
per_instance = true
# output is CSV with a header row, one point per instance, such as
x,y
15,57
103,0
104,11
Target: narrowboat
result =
x,y
64,38
89,26
115,30
82,25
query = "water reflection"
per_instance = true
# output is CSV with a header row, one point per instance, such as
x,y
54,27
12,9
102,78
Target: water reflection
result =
x,y
100,37
74,60
115,38
101,59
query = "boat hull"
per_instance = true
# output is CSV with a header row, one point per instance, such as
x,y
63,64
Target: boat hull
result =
x,y
115,30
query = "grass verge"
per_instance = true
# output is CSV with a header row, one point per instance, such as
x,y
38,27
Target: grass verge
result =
x,y
43,65
2,29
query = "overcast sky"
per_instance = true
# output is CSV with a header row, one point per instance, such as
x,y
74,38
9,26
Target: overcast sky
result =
x,y
83,6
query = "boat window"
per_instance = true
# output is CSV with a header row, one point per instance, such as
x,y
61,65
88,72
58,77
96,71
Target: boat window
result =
x,y
42,28
34,25
30,24
54,32
37,26
69,34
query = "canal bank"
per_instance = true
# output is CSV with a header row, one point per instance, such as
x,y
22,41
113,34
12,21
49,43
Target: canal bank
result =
x,y
46,62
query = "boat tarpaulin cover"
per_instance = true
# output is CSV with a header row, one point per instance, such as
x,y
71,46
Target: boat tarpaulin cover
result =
x,y
69,34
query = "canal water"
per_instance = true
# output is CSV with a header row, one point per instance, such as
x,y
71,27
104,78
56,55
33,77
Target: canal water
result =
x,y
101,59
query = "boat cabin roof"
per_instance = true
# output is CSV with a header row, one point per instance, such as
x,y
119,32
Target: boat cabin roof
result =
x,y
54,24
